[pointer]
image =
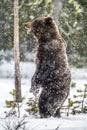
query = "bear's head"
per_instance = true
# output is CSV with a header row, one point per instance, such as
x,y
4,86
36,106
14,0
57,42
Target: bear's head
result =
x,y
43,28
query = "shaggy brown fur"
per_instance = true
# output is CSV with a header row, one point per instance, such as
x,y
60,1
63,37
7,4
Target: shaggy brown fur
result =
x,y
52,70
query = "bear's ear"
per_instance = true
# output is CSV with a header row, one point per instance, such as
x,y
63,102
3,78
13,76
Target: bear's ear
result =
x,y
48,21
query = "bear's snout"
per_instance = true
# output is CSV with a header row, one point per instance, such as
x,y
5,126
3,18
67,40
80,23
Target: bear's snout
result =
x,y
28,24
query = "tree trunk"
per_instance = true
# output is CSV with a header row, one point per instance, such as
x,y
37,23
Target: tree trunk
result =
x,y
57,6
16,53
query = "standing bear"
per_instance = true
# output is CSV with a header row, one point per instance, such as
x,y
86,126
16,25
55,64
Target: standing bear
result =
x,y
52,70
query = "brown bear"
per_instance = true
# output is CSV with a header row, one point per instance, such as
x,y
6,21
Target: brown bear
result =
x,y
52,70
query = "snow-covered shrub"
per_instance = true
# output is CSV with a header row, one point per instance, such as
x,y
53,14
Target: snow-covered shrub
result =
x,y
73,85
15,106
78,104
32,106
16,124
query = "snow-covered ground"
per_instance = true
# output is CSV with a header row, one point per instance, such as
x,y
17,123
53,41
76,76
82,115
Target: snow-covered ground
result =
x,y
77,122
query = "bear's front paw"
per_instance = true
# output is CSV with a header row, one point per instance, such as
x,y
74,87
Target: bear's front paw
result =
x,y
31,90
34,91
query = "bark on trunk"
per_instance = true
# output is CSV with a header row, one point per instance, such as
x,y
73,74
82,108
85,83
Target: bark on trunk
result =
x,y
16,53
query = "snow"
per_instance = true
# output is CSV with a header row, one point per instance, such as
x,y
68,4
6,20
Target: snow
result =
x,y
77,122
80,73
7,69
64,123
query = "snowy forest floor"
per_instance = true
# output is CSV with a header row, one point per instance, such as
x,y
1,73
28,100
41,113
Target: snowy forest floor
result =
x,y
76,122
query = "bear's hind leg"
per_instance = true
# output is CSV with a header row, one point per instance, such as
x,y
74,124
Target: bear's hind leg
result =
x,y
43,106
57,113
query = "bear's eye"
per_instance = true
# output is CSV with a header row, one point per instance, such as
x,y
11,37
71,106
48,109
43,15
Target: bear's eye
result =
x,y
37,23
48,21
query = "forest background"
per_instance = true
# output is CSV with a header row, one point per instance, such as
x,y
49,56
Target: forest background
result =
x,y
72,23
